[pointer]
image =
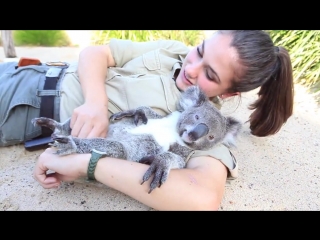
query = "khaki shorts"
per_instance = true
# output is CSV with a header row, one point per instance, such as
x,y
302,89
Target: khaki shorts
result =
x,y
21,89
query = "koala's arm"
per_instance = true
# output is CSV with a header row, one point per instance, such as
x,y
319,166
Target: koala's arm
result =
x,y
142,113
160,166
182,151
149,112
162,163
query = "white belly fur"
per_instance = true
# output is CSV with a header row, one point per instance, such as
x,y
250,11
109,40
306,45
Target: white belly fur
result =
x,y
164,130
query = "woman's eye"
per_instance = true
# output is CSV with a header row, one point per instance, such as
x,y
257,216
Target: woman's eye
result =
x,y
206,71
199,53
208,76
197,117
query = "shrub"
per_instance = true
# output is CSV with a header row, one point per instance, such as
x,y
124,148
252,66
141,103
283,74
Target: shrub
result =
x,y
48,38
304,49
189,37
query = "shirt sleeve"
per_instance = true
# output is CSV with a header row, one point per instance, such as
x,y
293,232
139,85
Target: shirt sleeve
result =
x,y
224,155
125,50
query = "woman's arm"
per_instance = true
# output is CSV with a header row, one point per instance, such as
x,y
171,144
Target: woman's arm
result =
x,y
91,118
200,186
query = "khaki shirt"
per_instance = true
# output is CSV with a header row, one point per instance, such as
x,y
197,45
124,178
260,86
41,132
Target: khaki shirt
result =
x,y
143,76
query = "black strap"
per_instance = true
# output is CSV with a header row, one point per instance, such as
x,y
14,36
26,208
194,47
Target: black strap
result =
x,y
47,103
47,98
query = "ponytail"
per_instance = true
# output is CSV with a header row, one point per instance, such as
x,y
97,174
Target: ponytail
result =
x,y
275,98
267,67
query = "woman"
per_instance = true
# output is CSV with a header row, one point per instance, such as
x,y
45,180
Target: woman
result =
x,y
125,75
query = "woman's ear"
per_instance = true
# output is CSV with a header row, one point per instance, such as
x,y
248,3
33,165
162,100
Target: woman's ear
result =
x,y
226,95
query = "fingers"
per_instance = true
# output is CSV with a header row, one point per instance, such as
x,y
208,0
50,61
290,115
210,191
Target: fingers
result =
x,y
76,125
89,121
50,181
51,169
81,129
96,132
45,180
88,131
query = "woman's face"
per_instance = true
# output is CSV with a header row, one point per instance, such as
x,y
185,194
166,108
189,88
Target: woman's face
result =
x,y
212,65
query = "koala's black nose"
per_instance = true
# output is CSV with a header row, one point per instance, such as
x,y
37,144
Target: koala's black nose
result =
x,y
199,131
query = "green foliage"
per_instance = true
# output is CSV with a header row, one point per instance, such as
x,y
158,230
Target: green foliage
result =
x,y
189,37
304,49
48,38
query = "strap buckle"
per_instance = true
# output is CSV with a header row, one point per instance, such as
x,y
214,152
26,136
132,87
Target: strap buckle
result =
x,y
59,64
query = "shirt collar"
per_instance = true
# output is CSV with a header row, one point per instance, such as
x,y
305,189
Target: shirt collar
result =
x,y
177,67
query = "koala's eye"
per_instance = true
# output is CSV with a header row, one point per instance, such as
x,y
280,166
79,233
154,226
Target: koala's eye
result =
x,y
211,137
196,117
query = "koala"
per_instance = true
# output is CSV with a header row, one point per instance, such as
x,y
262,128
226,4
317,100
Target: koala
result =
x,y
163,142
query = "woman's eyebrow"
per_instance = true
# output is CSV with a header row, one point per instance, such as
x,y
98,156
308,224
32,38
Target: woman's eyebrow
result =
x,y
213,71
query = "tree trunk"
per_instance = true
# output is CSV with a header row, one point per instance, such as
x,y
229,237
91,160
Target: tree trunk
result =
x,y
7,42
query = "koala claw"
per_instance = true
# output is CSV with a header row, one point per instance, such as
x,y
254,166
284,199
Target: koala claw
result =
x,y
61,139
137,115
64,144
140,114
147,160
38,121
43,122
159,167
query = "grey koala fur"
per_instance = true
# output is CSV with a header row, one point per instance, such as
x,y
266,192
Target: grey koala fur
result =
x,y
163,142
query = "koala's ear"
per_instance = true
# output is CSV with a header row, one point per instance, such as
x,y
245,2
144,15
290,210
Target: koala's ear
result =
x,y
191,97
233,127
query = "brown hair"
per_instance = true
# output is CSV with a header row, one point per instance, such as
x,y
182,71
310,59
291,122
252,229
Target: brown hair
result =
x,y
268,67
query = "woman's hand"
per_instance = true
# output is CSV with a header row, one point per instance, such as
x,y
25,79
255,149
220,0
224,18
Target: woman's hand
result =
x,y
62,168
90,121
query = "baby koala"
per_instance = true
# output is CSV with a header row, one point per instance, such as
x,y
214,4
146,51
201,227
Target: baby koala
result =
x,y
163,142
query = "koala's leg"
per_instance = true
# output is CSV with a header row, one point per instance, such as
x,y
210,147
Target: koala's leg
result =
x,y
140,113
67,145
60,128
160,166
112,148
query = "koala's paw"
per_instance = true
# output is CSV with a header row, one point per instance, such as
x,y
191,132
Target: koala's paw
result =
x,y
64,144
138,115
62,139
159,167
44,122
62,152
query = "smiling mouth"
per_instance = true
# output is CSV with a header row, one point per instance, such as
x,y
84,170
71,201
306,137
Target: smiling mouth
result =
x,y
184,73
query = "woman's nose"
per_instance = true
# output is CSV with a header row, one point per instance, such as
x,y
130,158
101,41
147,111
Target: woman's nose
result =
x,y
192,70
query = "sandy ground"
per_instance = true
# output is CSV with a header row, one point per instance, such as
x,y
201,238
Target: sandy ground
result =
x,y
281,172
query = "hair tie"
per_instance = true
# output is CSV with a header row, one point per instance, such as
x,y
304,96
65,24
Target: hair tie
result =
x,y
277,49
